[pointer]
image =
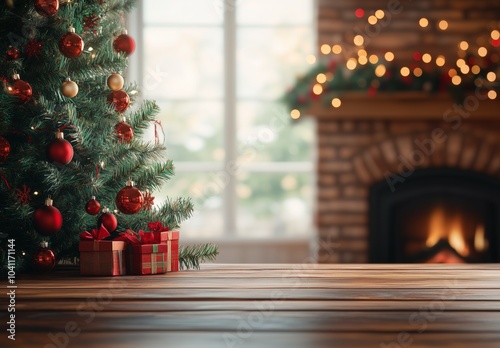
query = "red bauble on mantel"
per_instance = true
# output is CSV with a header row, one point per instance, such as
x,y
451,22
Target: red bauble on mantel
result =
x,y
108,220
124,43
124,131
47,219
119,99
129,200
47,8
4,149
12,53
21,89
60,150
71,44
93,207
44,259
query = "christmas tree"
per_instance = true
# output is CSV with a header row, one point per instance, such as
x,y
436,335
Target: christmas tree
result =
x,y
70,134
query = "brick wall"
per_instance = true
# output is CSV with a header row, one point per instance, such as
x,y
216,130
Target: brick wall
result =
x,y
357,151
399,31
353,155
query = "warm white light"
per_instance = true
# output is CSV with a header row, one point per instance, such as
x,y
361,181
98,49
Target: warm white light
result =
x,y
405,71
336,102
465,69
426,58
389,56
491,76
482,51
440,61
423,22
495,34
362,53
380,70
443,25
325,49
321,78
362,60
372,20
337,49
311,59
317,89
492,94
373,59
464,45
456,80
359,40
460,62
295,114
351,64
379,14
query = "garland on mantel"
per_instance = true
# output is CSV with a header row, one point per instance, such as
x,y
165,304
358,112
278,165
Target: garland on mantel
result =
x,y
327,81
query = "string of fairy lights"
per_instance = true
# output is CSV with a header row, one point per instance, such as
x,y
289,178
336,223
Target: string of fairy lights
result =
x,y
350,66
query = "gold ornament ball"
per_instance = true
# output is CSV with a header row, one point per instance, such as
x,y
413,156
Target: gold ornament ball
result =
x,y
115,82
69,89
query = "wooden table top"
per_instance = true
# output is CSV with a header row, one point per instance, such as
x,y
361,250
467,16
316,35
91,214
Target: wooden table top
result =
x,y
274,306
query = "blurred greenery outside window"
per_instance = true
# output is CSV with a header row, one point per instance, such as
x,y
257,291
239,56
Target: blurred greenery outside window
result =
x,y
248,169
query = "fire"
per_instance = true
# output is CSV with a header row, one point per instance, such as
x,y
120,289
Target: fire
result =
x,y
449,228
480,241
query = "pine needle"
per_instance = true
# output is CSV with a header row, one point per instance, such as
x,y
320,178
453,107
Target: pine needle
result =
x,y
191,256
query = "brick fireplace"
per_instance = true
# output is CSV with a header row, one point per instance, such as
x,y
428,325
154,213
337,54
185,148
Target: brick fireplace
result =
x,y
385,139
355,154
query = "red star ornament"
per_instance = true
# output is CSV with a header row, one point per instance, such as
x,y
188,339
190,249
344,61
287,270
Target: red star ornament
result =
x,y
148,200
33,48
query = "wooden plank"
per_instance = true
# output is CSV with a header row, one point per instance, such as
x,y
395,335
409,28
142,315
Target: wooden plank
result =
x,y
204,339
399,106
250,305
265,305
364,293
269,321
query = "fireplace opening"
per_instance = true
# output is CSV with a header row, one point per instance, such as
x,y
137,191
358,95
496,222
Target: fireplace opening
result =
x,y
436,216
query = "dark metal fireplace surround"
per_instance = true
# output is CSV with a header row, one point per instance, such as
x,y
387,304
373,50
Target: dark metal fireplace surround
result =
x,y
474,194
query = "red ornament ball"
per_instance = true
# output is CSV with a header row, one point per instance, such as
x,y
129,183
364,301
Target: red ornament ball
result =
x,y
4,149
124,44
21,89
93,207
129,199
12,53
120,99
44,259
71,44
47,219
60,150
124,131
108,220
47,8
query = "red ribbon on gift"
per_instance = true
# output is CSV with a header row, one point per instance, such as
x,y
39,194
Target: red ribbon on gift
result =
x,y
157,227
95,234
133,238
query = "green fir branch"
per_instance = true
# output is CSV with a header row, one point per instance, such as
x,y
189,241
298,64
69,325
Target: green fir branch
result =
x,y
191,256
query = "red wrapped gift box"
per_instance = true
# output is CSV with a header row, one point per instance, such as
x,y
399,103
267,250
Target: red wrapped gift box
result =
x,y
102,257
171,239
147,258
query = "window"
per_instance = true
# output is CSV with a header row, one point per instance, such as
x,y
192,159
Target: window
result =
x,y
218,69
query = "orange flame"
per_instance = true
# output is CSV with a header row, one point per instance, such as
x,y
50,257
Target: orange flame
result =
x,y
441,227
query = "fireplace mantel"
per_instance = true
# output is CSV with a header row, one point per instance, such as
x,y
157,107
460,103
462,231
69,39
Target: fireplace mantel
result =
x,y
404,106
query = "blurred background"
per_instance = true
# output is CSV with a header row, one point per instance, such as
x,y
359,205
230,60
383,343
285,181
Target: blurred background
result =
x,y
219,70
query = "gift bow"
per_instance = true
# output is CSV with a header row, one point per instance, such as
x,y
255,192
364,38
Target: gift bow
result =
x,y
131,237
157,227
95,234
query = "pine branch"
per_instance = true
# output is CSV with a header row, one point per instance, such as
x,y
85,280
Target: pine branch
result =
x,y
191,256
